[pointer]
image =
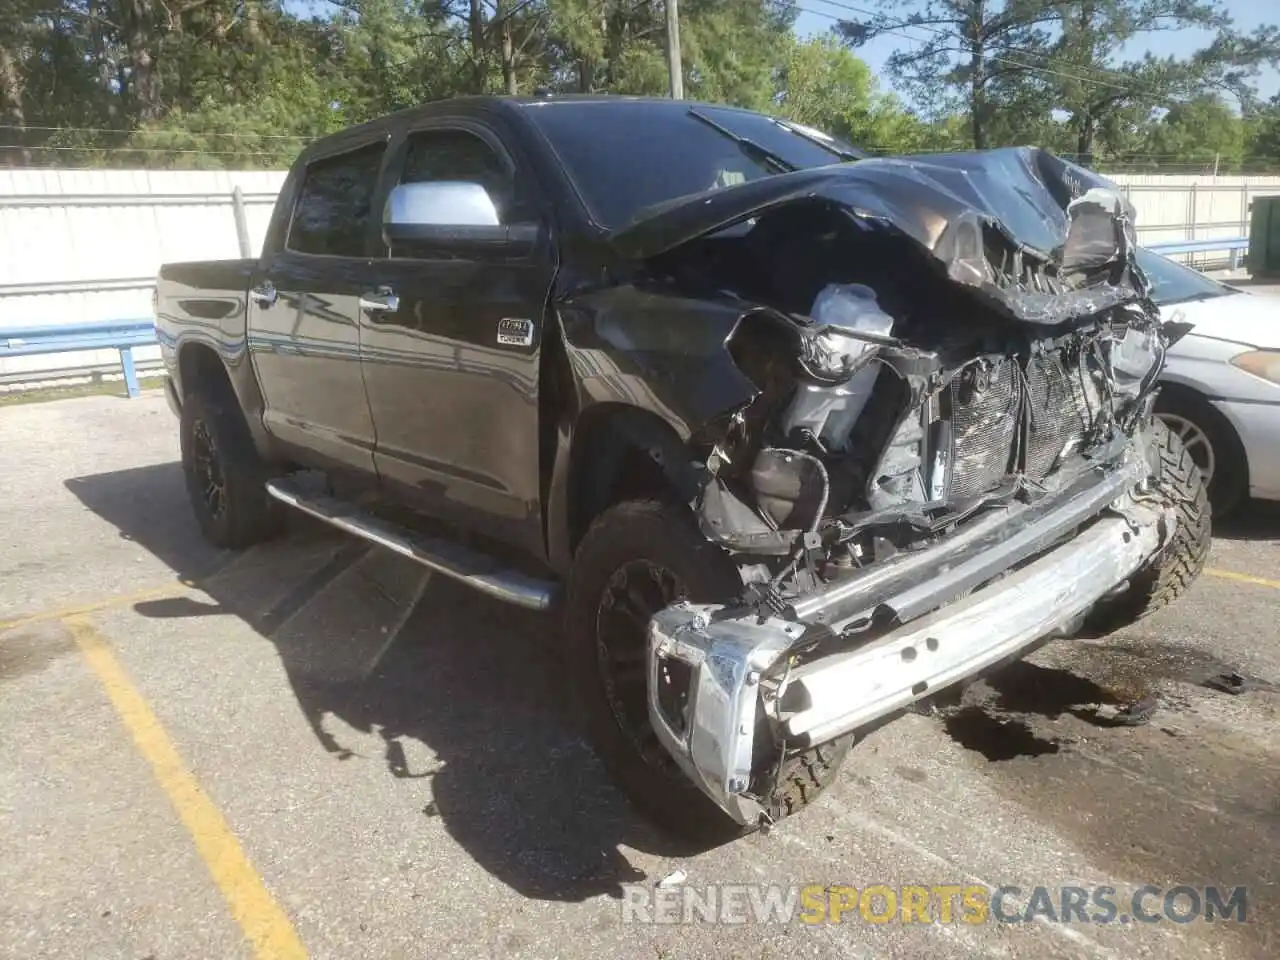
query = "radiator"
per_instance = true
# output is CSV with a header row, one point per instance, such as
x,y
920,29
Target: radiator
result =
x,y
985,402
1004,418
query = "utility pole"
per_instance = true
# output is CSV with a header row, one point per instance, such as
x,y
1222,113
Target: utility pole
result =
x,y
673,51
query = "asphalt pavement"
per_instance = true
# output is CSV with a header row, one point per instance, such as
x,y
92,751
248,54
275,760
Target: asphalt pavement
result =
x,y
316,748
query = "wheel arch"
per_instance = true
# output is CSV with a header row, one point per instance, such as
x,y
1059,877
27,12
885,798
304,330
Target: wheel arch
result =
x,y
201,364
615,452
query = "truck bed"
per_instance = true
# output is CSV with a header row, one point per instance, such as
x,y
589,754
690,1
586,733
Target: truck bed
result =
x,y
210,274
203,294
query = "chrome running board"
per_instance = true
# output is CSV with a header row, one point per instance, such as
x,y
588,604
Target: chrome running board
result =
x,y
475,569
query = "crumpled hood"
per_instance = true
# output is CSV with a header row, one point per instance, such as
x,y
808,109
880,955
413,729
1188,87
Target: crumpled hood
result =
x,y
1044,240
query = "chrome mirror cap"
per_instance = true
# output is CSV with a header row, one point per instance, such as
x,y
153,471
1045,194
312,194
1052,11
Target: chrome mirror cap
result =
x,y
446,203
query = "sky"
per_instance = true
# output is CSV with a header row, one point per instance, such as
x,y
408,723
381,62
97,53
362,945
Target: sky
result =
x,y
818,16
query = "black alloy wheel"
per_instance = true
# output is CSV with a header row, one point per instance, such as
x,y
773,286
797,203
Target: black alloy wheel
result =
x,y
207,471
632,595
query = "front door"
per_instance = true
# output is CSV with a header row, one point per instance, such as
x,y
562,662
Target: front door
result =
x,y
452,372
304,314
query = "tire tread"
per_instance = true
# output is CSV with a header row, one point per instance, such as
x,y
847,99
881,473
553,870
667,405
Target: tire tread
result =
x,y
251,515
1172,572
665,530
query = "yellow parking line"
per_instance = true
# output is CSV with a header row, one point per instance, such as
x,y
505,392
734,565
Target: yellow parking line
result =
x,y
108,603
1244,578
265,925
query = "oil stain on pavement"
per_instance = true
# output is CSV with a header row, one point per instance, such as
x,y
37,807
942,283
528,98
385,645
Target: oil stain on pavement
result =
x,y
29,651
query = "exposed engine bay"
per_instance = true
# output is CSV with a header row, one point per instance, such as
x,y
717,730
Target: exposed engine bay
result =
x,y
893,404
943,459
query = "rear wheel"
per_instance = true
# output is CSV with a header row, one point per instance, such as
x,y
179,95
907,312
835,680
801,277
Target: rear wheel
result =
x,y
1172,571
637,558
226,479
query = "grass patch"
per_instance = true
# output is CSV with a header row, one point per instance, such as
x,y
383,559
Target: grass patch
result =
x,y
101,388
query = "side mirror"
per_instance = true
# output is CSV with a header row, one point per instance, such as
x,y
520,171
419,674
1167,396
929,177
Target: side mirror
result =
x,y
456,214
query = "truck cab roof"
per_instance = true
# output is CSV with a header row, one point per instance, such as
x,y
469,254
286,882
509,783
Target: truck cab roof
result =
x,y
586,107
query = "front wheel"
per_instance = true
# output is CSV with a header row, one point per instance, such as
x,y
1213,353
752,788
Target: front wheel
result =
x,y
637,558
1169,574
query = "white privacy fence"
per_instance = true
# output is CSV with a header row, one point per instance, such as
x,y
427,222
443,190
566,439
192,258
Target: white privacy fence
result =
x,y
77,246
1193,207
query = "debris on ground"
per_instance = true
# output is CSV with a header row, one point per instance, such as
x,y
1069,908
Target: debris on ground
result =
x,y
1137,713
673,879
1133,714
1232,683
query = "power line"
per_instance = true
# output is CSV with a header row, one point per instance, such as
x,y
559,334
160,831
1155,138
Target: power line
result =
x,y
211,133
89,148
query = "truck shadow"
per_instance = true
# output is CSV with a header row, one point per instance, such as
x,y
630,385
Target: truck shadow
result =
x,y
478,683
1251,520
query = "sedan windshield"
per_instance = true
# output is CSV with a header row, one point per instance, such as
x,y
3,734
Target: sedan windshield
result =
x,y
1173,283
628,155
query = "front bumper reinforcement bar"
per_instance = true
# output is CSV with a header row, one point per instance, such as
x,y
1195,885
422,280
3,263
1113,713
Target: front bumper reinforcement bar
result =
x,y
743,678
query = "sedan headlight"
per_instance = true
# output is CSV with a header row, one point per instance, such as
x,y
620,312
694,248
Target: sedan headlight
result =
x,y
1261,363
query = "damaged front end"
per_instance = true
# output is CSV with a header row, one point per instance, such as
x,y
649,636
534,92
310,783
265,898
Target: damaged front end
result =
x,y
944,459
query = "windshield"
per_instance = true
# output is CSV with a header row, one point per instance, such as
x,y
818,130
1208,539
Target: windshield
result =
x,y
1173,283
628,155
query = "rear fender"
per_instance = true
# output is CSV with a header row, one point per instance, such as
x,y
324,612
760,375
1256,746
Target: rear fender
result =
x,y
202,360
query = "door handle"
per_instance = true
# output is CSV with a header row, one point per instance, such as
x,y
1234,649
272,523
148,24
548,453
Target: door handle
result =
x,y
264,294
382,300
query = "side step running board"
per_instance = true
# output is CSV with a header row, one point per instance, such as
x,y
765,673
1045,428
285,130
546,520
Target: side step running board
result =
x,y
475,569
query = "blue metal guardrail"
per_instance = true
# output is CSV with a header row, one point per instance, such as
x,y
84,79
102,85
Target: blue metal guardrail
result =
x,y
1233,245
121,335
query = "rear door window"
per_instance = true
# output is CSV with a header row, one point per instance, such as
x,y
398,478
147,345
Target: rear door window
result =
x,y
335,204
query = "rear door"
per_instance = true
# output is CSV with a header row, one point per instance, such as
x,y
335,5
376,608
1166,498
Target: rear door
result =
x,y
452,373
304,312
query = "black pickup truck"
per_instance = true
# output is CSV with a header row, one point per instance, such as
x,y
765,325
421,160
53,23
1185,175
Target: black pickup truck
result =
x,y
790,437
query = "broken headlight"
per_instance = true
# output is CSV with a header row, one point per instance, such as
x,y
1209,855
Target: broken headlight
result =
x,y
1133,357
848,325
831,355
836,351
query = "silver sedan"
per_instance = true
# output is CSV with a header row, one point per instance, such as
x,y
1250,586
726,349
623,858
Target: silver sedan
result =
x,y
1221,389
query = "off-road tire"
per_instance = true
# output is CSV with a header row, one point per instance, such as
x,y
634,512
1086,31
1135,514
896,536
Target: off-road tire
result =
x,y
1230,482
806,774
666,535
1171,572
247,515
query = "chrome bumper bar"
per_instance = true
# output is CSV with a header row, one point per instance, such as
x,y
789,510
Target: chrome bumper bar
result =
x,y
741,673
829,697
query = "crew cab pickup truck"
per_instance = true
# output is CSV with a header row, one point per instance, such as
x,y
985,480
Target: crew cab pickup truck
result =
x,y
790,437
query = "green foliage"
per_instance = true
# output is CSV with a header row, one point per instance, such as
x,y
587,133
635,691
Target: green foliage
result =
x,y
1262,135
1057,73
824,85
245,83
1204,130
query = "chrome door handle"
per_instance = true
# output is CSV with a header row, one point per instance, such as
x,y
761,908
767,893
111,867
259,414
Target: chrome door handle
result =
x,y
382,300
264,295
